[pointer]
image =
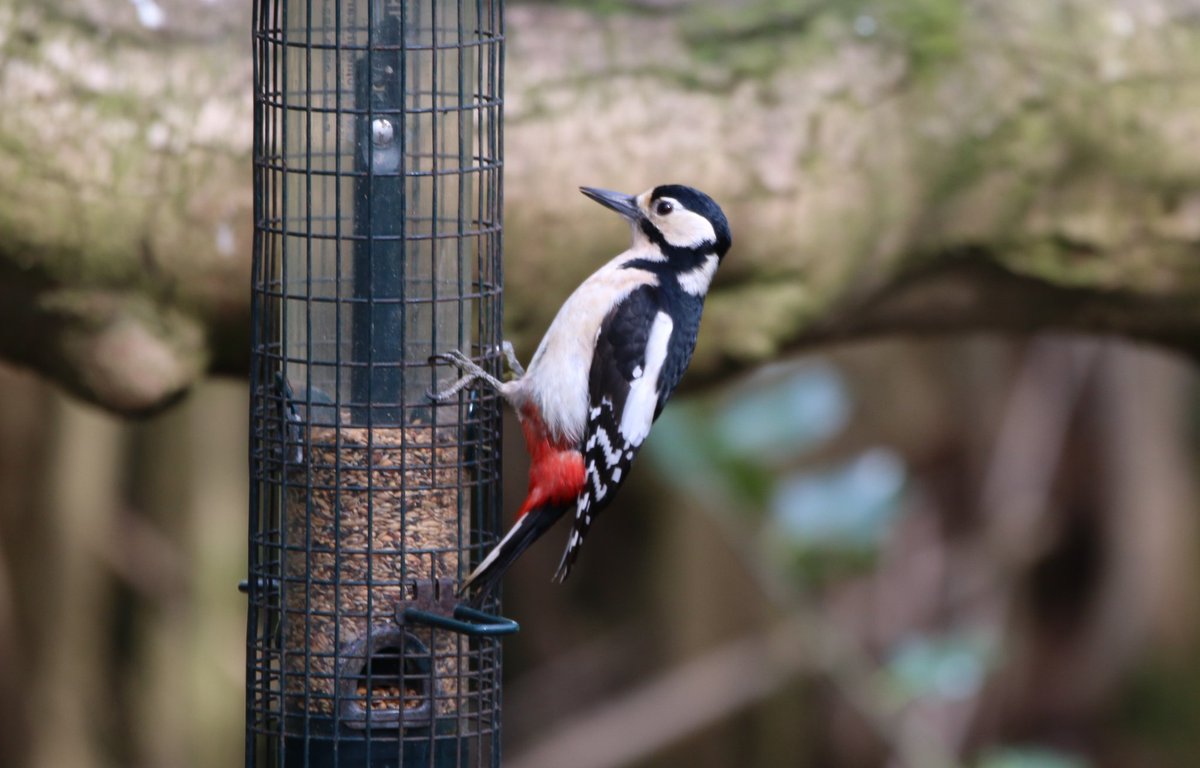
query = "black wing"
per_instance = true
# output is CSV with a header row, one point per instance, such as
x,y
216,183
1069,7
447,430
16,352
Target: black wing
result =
x,y
639,358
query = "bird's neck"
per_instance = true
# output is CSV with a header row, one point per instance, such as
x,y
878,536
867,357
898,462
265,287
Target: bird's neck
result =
x,y
686,271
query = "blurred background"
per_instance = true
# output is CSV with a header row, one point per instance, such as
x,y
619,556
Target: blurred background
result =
x,y
958,552
850,541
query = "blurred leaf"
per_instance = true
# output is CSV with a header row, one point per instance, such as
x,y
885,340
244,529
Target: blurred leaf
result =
x,y
850,507
749,482
682,447
728,446
817,568
947,667
1031,758
775,417
686,450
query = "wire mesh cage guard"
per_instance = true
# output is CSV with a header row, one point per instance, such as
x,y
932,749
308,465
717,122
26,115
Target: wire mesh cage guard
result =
x,y
377,244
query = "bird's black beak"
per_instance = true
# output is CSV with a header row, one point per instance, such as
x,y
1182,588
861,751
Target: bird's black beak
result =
x,y
626,205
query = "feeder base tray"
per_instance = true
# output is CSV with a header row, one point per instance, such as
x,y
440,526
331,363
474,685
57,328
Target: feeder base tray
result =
x,y
322,748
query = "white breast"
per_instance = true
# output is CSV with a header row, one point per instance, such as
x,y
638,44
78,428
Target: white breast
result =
x,y
557,378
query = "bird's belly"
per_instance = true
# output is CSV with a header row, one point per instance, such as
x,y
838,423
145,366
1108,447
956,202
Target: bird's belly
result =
x,y
557,379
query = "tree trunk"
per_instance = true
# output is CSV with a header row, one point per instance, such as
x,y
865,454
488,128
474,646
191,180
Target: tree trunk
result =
x,y
937,166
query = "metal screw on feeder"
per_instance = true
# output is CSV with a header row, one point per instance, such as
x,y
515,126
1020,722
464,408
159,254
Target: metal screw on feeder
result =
x,y
382,132
377,241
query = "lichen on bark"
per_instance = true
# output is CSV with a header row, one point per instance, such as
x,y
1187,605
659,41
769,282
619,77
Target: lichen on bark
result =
x,y
885,169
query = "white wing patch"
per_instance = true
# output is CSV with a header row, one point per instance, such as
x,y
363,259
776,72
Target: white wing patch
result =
x,y
643,391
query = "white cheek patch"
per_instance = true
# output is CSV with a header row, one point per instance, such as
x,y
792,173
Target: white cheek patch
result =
x,y
643,392
684,229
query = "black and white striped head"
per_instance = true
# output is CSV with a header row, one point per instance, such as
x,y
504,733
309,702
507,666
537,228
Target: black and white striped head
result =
x,y
680,220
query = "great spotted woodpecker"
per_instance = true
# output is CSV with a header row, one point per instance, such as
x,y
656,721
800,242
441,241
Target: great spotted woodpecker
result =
x,y
606,367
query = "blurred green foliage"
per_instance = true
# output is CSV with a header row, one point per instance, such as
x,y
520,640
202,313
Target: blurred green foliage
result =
x,y
747,447
1031,758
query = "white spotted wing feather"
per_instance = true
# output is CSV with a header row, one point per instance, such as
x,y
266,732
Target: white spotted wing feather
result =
x,y
629,380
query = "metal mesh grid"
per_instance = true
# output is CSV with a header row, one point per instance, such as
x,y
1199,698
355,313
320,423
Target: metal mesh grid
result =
x,y
377,243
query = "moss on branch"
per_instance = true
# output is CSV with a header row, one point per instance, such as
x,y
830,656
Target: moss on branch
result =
x,y
938,167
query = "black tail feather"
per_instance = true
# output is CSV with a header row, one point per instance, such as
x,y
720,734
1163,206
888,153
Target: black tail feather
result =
x,y
486,577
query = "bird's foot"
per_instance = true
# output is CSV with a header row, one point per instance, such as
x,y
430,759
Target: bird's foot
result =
x,y
510,357
471,373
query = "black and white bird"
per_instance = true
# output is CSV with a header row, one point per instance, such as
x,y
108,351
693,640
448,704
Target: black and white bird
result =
x,y
605,368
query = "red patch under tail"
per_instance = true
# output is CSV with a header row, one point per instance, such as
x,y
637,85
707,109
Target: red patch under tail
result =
x,y
556,467
555,478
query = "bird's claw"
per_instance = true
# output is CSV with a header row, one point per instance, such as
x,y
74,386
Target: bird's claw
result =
x,y
458,360
452,357
471,371
510,355
447,394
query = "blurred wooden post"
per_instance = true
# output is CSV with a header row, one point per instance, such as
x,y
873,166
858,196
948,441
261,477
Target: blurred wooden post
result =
x,y
72,696
181,531
25,531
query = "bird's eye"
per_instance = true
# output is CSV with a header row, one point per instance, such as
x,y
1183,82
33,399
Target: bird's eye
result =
x,y
663,208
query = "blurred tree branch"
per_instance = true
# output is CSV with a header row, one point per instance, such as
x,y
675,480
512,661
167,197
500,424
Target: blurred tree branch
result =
x,y
932,167
701,691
